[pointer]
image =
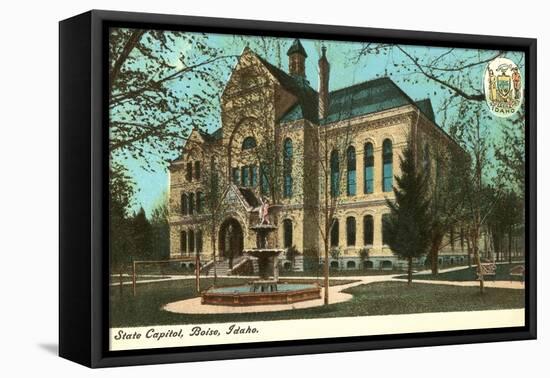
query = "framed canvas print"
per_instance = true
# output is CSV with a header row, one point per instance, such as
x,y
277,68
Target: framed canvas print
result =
x,y
234,188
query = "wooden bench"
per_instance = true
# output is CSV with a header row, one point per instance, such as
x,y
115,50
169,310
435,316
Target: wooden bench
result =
x,y
517,271
487,269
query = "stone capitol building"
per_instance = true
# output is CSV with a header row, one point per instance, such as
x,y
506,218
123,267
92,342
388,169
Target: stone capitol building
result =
x,y
279,135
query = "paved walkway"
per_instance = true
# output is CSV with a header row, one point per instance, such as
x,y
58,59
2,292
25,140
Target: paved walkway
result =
x,y
194,306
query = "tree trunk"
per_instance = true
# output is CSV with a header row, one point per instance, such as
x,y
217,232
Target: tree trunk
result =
x,y
120,280
510,244
469,249
213,243
478,262
325,267
434,253
197,272
410,270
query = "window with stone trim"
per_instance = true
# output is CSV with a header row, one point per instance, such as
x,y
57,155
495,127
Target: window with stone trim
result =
x,y
335,234
287,233
197,170
368,186
387,166
368,230
183,242
191,241
350,231
191,202
287,168
189,171
199,241
334,174
385,228
184,205
351,182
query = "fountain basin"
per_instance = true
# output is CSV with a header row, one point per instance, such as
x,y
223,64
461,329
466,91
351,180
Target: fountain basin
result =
x,y
245,295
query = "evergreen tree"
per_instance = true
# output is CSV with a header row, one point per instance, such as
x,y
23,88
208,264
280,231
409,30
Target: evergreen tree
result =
x,y
408,225
120,201
160,230
142,236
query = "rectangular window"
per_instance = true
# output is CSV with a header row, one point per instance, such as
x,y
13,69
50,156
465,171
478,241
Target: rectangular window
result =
x,y
197,170
189,171
254,176
385,235
244,176
236,176
183,242
388,178
369,180
368,228
352,184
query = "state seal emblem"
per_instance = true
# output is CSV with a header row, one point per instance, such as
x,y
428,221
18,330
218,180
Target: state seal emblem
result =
x,y
503,84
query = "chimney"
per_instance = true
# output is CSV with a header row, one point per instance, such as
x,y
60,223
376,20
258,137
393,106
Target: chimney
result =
x,y
297,59
324,72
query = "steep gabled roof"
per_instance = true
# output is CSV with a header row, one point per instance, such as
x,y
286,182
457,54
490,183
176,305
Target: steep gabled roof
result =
x,y
299,87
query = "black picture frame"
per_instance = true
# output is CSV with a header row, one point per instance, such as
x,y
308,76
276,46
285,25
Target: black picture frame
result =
x,y
83,228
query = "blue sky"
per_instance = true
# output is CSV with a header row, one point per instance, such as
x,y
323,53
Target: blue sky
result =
x,y
345,71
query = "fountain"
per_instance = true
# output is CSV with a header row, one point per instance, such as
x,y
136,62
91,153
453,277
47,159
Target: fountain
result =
x,y
267,289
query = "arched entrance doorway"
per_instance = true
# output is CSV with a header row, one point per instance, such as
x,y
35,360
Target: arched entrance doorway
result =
x,y
231,242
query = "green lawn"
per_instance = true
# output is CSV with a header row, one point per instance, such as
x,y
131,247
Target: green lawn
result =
x,y
341,273
469,274
381,298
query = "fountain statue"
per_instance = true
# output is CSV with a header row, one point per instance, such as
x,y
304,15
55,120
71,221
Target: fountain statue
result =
x,y
267,288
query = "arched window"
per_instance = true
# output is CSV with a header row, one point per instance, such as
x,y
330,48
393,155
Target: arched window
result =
x,y
200,202
287,233
189,171
335,234
368,230
334,174
184,205
197,170
183,242
351,168
287,168
387,166
427,160
199,241
350,231
191,203
385,233
191,241
368,186
249,142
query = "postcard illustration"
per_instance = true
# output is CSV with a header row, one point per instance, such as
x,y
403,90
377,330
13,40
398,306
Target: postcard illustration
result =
x,y
268,189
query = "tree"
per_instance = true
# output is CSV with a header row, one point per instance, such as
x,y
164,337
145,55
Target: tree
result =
x,y
325,174
215,189
480,198
122,190
160,230
161,85
446,197
142,235
408,223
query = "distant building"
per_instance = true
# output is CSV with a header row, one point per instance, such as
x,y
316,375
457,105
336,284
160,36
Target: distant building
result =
x,y
263,103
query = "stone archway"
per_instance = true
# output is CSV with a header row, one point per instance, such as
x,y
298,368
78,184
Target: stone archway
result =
x,y
231,240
